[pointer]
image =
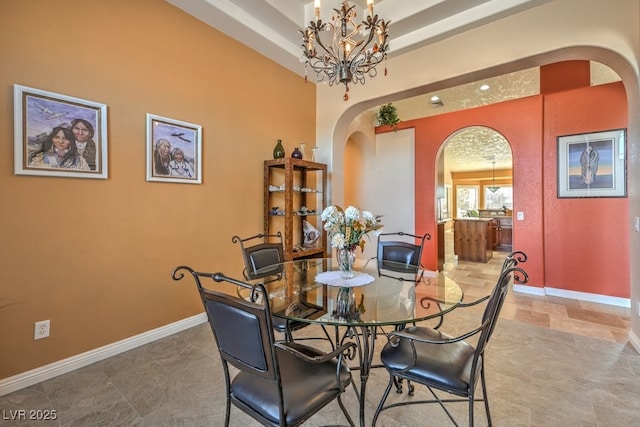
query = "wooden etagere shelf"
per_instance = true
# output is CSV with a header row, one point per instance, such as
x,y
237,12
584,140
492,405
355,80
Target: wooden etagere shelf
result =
x,y
295,190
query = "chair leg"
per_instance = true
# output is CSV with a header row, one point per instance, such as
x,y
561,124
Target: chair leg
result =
x,y
345,412
398,383
484,395
227,413
384,399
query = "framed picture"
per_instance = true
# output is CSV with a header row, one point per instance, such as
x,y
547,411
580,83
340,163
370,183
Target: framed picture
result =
x,y
59,135
174,150
592,164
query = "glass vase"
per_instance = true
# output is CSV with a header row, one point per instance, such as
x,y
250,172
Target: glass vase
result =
x,y
345,303
346,258
278,150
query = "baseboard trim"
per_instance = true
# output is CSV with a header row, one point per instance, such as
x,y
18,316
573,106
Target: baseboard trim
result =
x,y
43,373
531,290
585,296
581,296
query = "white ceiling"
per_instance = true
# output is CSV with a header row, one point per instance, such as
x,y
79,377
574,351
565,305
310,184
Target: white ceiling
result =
x,y
271,27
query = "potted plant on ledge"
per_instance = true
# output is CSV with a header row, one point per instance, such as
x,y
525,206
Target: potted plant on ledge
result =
x,y
388,115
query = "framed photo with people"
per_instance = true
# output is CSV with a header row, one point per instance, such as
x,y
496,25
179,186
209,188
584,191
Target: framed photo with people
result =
x,y
592,164
174,150
59,135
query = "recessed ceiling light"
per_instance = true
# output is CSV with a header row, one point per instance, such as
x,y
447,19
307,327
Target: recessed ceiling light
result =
x,y
485,87
436,101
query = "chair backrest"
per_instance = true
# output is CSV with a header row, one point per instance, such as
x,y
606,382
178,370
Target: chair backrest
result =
x,y
513,259
261,259
401,253
242,328
495,303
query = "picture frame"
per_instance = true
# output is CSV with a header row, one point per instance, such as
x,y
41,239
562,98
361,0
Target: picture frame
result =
x,y
44,122
174,150
592,164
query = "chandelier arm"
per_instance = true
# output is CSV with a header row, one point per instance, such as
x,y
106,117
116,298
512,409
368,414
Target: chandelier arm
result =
x,y
328,50
362,44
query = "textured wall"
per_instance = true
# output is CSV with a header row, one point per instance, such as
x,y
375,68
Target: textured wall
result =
x,y
95,256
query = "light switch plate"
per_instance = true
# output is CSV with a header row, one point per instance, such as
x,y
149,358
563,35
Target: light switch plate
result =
x,y
520,216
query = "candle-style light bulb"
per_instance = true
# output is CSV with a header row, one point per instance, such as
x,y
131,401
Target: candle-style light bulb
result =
x,y
370,7
316,7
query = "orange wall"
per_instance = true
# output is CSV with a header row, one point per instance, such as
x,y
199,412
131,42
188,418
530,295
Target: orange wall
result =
x,y
565,75
95,256
573,244
523,131
586,240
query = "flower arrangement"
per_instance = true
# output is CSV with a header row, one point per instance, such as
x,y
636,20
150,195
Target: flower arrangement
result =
x,y
349,226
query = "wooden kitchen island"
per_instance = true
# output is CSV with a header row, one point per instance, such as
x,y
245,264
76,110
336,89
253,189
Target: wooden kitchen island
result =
x,y
472,239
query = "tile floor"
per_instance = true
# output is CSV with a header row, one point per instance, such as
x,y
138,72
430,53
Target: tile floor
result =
x,y
552,362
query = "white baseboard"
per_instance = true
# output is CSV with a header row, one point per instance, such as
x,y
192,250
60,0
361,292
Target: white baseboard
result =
x,y
43,373
581,296
531,290
585,296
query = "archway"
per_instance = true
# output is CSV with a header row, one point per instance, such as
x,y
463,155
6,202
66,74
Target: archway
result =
x,y
467,184
342,125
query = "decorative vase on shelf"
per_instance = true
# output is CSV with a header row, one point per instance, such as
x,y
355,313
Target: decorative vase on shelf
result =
x,y
297,154
278,150
301,147
346,258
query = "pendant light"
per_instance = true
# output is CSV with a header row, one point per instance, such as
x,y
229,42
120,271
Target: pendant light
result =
x,y
493,187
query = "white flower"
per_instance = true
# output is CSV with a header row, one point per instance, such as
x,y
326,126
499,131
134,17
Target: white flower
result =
x,y
352,213
328,212
368,216
337,241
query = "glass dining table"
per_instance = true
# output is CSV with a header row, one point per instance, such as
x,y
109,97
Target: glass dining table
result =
x,y
388,295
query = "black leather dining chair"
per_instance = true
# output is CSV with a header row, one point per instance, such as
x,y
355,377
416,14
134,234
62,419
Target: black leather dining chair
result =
x,y
401,252
511,260
263,255
277,383
444,363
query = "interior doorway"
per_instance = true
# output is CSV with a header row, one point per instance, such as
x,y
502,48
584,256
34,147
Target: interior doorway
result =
x,y
474,178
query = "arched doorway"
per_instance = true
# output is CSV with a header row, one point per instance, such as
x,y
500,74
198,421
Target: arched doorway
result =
x,y
474,177
534,211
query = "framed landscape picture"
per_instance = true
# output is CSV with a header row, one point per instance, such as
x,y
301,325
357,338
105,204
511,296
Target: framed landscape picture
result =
x,y
59,135
592,164
174,150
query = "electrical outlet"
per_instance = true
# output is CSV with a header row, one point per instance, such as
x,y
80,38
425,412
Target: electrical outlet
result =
x,y
41,330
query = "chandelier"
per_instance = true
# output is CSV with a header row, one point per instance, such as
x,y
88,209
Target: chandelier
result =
x,y
341,51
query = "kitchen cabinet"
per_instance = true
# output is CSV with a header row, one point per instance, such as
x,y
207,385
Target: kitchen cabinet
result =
x,y
472,239
502,233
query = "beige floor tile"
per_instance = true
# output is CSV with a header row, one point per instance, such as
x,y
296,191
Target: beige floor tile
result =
x,y
552,362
